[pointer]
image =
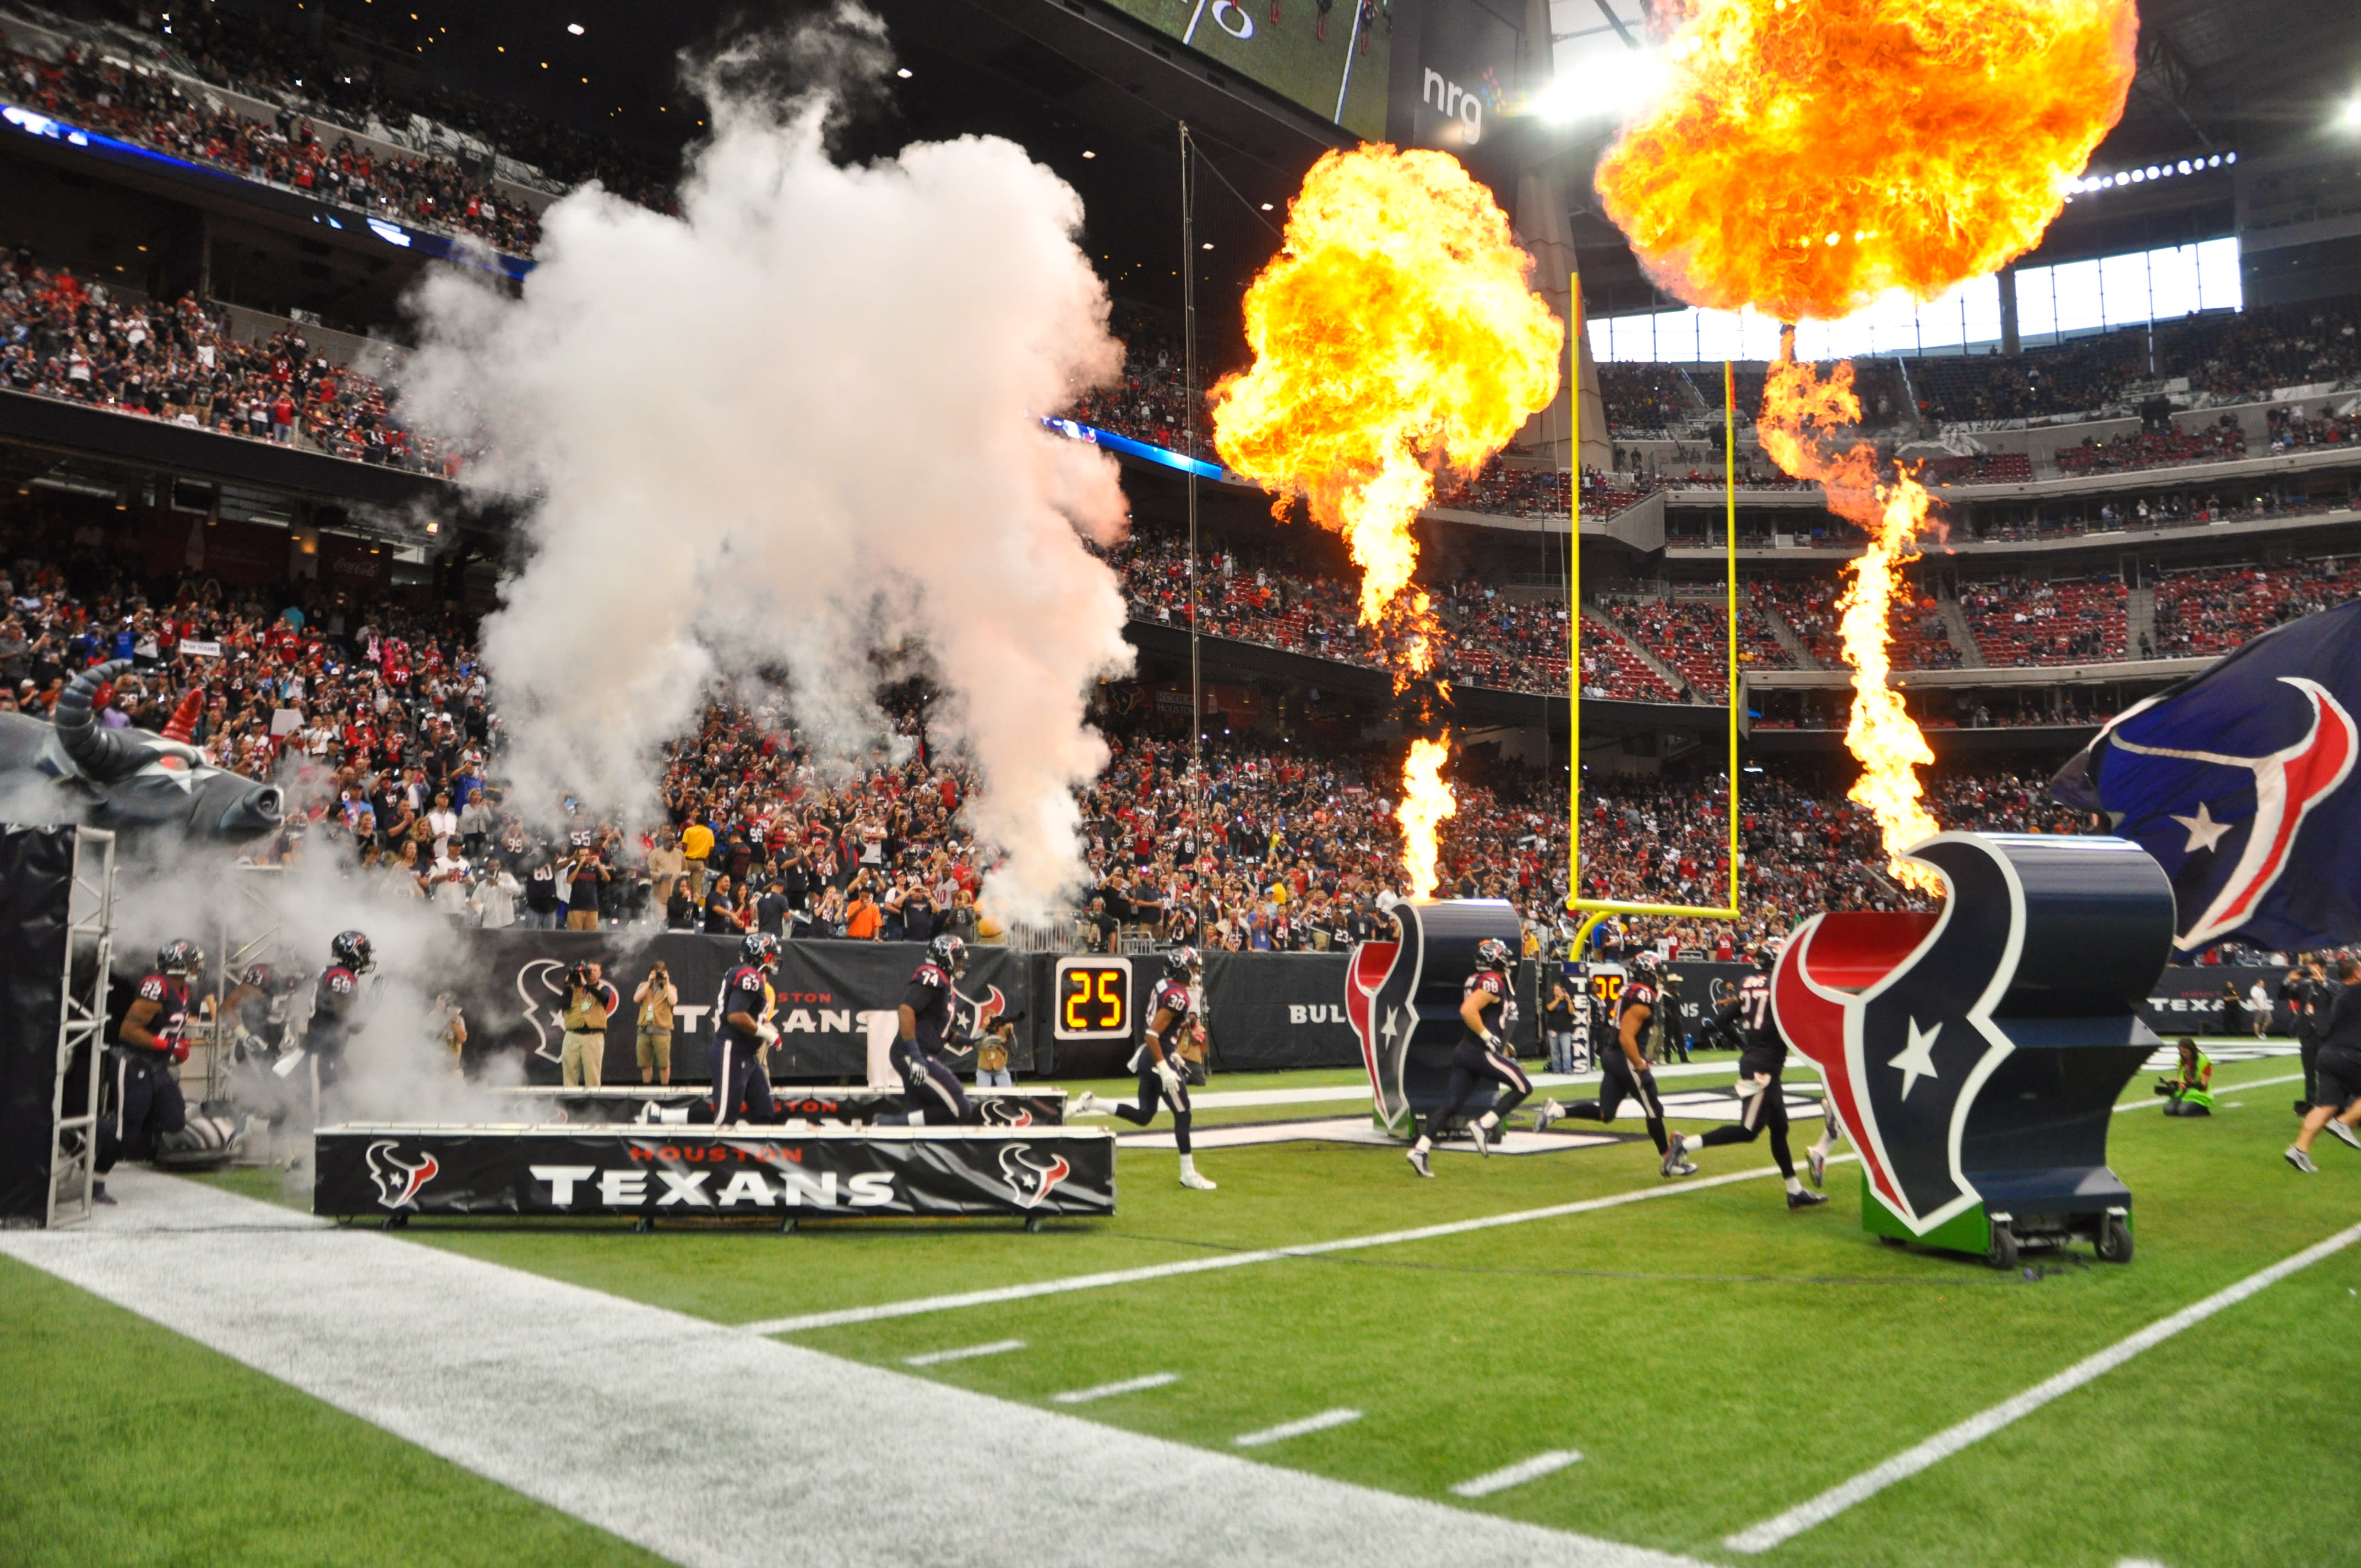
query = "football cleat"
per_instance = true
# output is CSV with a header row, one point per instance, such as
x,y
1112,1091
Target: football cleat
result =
x,y
1673,1160
2300,1160
1087,1103
1805,1200
2345,1134
1417,1158
1483,1136
1551,1111
99,1194
1197,1183
1684,1167
1818,1160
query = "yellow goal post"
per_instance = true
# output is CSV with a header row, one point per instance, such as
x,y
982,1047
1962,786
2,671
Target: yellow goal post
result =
x,y
1598,909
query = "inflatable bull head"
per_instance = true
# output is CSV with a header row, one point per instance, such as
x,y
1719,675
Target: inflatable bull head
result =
x,y
126,778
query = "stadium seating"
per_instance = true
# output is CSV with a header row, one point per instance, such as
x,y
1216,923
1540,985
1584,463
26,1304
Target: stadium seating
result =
x,y
2046,623
2215,610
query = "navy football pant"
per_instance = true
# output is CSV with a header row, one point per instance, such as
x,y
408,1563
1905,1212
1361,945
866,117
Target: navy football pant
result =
x,y
1766,1112
148,1105
1472,1063
1151,1092
936,1098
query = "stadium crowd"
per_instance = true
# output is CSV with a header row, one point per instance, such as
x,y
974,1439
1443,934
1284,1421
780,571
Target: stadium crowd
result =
x,y
63,336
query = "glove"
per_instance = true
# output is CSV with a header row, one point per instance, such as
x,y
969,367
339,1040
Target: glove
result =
x,y
1493,1042
1173,1083
179,1050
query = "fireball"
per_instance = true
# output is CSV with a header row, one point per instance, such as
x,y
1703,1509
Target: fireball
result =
x,y
1426,802
1393,336
1811,155
1802,416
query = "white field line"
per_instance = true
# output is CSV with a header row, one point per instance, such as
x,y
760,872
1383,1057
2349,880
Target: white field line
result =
x,y
1517,1475
1337,1093
486,1368
1109,1390
845,1316
2222,1089
1303,1427
1771,1532
964,1352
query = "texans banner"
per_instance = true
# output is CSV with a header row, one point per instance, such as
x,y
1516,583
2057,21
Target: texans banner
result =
x,y
700,1174
1975,1053
2240,781
1402,999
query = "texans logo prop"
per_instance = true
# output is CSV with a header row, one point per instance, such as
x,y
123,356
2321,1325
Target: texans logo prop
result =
x,y
398,1180
1402,999
1975,1053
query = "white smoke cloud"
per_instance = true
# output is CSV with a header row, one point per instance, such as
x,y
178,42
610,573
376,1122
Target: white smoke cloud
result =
x,y
800,425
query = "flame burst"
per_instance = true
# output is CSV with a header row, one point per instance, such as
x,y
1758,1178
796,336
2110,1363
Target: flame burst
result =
x,y
1426,801
1393,335
1811,155
1801,415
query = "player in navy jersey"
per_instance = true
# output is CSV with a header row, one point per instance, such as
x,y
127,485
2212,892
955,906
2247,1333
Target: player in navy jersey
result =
x,y
1484,1053
1624,1072
152,1039
1162,1077
741,1087
926,1018
336,1016
1762,1058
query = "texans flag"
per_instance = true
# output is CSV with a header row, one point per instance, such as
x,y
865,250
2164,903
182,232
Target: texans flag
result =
x,y
2240,781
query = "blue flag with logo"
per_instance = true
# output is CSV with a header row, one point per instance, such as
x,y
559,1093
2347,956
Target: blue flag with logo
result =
x,y
2241,783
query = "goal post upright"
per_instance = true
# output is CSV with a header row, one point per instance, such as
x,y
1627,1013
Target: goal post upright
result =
x,y
1594,910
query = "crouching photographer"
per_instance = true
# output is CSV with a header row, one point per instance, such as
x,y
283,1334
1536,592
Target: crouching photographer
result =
x,y
589,1001
2189,1091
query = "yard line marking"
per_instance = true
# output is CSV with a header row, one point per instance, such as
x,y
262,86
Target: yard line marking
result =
x,y
2225,1089
846,1316
965,1353
1517,1475
1943,1445
1286,1429
1109,1390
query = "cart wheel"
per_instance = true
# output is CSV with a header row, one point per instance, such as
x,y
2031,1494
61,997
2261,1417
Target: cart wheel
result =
x,y
1034,1223
643,1225
397,1222
2114,1240
2002,1254
1892,1241
787,1226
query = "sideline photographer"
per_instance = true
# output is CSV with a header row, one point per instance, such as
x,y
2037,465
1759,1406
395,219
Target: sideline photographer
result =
x,y
656,997
589,1003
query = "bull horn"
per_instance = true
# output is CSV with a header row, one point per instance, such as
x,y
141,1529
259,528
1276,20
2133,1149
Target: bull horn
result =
x,y
103,754
183,726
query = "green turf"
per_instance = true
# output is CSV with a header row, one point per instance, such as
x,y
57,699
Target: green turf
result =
x,y
127,1445
1715,1358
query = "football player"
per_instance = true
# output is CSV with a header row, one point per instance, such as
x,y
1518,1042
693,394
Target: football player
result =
x,y
925,1021
1483,1053
335,1015
1762,1059
1162,1076
735,1058
150,1042
1624,1069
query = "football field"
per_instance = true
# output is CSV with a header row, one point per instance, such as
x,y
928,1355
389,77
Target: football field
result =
x,y
1539,1354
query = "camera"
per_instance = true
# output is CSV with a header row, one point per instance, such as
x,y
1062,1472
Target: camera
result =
x,y
581,978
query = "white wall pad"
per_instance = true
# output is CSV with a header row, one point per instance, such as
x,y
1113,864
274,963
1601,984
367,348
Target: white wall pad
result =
x,y
498,1371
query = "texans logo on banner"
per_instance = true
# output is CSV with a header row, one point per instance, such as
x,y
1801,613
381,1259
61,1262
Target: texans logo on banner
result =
x,y
1904,1056
1030,1176
540,975
398,1182
2240,783
1003,1114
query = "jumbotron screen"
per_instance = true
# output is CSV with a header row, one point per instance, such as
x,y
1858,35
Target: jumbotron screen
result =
x,y
1342,76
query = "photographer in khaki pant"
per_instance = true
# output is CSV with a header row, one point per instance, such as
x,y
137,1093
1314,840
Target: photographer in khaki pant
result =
x,y
589,1001
656,996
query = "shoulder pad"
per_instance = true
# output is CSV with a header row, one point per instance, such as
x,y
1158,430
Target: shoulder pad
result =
x,y
337,979
152,988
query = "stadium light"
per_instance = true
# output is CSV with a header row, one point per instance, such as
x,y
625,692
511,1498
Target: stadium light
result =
x,y
574,28
2351,117
1607,86
904,74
